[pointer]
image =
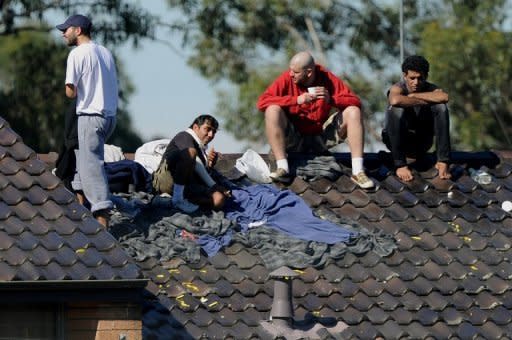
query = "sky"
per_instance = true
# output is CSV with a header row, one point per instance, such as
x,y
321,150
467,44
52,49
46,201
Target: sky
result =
x,y
169,94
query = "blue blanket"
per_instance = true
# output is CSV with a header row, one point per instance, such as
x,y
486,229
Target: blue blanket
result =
x,y
284,211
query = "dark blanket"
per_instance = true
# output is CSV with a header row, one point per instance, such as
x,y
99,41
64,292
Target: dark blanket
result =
x,y
121,174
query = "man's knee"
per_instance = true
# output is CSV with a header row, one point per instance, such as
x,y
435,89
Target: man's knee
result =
x,y
275,113
440,110
395,112
352,114
218,200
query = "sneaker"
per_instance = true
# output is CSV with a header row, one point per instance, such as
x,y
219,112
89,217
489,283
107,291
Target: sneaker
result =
x,y
362,180
280,175
185,206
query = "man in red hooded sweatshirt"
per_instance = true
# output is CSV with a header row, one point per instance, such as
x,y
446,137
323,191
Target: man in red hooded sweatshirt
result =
x,y
299,105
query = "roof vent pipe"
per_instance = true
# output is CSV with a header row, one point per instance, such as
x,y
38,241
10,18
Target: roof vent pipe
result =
x,y
282,306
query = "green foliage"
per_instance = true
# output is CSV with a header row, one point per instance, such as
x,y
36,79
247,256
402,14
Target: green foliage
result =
x,y
32,66
237,106
230,37
470,59
466,41
32,96
114,21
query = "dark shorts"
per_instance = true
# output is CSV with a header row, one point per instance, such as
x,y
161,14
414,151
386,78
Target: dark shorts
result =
x,y
296,142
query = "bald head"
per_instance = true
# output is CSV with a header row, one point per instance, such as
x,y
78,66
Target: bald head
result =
x,y
302,68
303,60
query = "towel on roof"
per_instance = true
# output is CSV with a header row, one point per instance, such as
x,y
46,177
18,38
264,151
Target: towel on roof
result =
x,y
284,211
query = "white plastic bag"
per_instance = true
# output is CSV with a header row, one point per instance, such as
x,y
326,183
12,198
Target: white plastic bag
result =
x,y
254,167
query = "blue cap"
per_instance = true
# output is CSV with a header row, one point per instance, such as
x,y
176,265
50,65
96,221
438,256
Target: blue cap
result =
x,y
76,20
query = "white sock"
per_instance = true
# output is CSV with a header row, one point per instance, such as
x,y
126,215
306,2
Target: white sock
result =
x,y
177,192
357,165
283,164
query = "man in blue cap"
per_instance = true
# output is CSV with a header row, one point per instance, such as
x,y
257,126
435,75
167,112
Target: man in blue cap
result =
x,y
91,78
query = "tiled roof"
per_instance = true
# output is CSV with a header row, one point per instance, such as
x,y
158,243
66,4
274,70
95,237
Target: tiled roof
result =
x,y
45,235
449,277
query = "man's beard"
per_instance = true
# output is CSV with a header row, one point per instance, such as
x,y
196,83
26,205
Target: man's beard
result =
x,y
72,41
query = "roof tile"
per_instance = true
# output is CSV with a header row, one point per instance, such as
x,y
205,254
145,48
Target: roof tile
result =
x,y
467,331
262,302
431,198
420,213
348,288
420,286
32,166
335,198
224,288
432,271
427,316
441,256
348,211
445,285
396,287
500,316
298,185
312,198
310,275
411,301
323,288
500,242
321,185
436,301
358,273
386,301
445,212
337,302
247,288
396,213
402,316
345,184
487,301
383,273
352,316
406,199
377,315
21,152
14,256
390,329
21,180
491,331
451,316
417,331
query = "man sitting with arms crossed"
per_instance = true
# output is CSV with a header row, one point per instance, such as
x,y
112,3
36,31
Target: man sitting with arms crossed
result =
x,y
416,113
184,168
292,113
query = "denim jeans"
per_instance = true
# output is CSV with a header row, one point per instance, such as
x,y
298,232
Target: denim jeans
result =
x,y
411,133
90,175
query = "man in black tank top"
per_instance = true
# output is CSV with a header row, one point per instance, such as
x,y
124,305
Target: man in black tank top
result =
x,y
417,112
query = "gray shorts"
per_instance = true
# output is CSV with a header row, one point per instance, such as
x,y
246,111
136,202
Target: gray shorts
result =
x,y
296,142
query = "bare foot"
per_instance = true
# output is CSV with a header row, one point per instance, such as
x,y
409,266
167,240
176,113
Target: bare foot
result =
x,y
81,198
404,173
442,168
103,217
103,221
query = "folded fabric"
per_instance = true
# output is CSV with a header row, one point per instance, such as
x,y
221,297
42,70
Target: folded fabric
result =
x,y
320,166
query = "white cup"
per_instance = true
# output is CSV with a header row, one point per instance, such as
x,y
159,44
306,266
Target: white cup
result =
x,y
312,90
507,206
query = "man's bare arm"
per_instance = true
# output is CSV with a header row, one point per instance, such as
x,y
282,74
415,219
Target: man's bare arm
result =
x,y
70,91
437,96
397,98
